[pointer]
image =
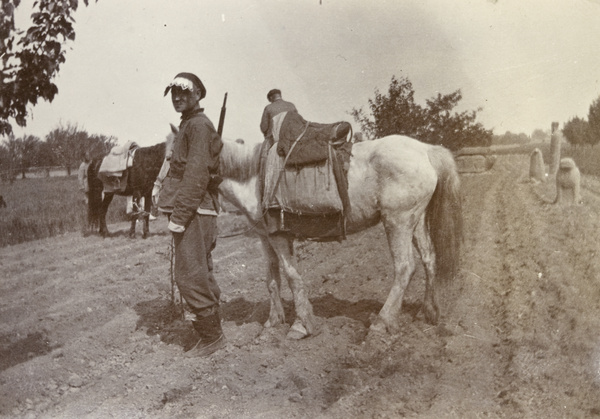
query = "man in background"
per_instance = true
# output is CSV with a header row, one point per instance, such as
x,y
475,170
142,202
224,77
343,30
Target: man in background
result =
x,y
276,106
82,176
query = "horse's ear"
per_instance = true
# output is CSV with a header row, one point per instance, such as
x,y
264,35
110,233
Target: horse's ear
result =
x,y
174,129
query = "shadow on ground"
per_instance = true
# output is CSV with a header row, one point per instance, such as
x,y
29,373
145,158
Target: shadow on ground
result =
x,y
163,318
31,346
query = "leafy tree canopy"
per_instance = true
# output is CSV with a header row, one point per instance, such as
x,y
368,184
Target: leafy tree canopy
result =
x,y
397,113
594,122
31,59
577,131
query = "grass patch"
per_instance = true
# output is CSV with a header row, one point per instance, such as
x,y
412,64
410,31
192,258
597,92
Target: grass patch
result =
x,y
44,207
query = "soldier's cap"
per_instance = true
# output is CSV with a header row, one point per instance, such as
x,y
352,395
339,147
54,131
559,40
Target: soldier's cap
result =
x,y
187,81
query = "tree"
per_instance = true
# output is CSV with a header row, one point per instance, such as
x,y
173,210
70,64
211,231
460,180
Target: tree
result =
x,y
5,172
577,131
508,138
539,135
11,160
452,130
21,154
45,157
69,145
29,149
397,113
594,122
65,145
30,61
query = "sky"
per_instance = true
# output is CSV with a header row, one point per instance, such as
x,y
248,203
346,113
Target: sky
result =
x,y
524,63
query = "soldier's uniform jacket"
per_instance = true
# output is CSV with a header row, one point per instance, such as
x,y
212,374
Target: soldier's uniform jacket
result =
x,y
192,182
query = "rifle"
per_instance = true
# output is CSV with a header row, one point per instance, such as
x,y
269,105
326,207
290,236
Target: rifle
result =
x,y
222,117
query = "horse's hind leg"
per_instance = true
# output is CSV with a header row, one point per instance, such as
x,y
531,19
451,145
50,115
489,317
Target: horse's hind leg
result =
x,y
103,229
305,322
135,203
146,216
276,314
424,245
399,232
132,227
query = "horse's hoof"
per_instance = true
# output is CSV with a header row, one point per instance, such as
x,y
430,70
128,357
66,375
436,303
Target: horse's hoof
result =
x,y
432,315
297,331
378,327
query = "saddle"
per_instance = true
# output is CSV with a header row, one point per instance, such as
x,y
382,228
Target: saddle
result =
x,y
113,169
302,142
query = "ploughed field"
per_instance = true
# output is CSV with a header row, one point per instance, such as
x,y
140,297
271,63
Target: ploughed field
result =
x,y
88,329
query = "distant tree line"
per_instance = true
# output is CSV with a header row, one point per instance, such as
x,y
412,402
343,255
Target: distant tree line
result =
x,y
509,138
64,147
579,131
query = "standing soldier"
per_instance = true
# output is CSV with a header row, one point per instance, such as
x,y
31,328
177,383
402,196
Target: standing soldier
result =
x,y
192,183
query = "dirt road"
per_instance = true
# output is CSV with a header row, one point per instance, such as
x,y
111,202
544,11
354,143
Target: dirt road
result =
x,y
87,327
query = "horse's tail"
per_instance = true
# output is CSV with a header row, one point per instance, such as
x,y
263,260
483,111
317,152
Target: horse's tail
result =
x,y
444,214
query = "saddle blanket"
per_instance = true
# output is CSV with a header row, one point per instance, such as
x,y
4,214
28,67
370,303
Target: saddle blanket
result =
x,y
309,190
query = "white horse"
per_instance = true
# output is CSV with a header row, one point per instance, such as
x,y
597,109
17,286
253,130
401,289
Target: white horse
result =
x,y
412,187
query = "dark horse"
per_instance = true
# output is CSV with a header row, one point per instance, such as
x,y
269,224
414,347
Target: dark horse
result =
x,y
140,181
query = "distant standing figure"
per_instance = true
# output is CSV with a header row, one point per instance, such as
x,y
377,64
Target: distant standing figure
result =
x,y
277,106
2,202
82,176
568,180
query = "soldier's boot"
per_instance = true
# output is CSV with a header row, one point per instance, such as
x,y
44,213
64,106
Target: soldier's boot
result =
x,y
211,336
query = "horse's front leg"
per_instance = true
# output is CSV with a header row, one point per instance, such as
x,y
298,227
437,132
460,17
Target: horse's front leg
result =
x,y
135,209
304,325
276,314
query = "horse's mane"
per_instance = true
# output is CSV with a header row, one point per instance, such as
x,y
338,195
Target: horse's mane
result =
x,y
239,161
